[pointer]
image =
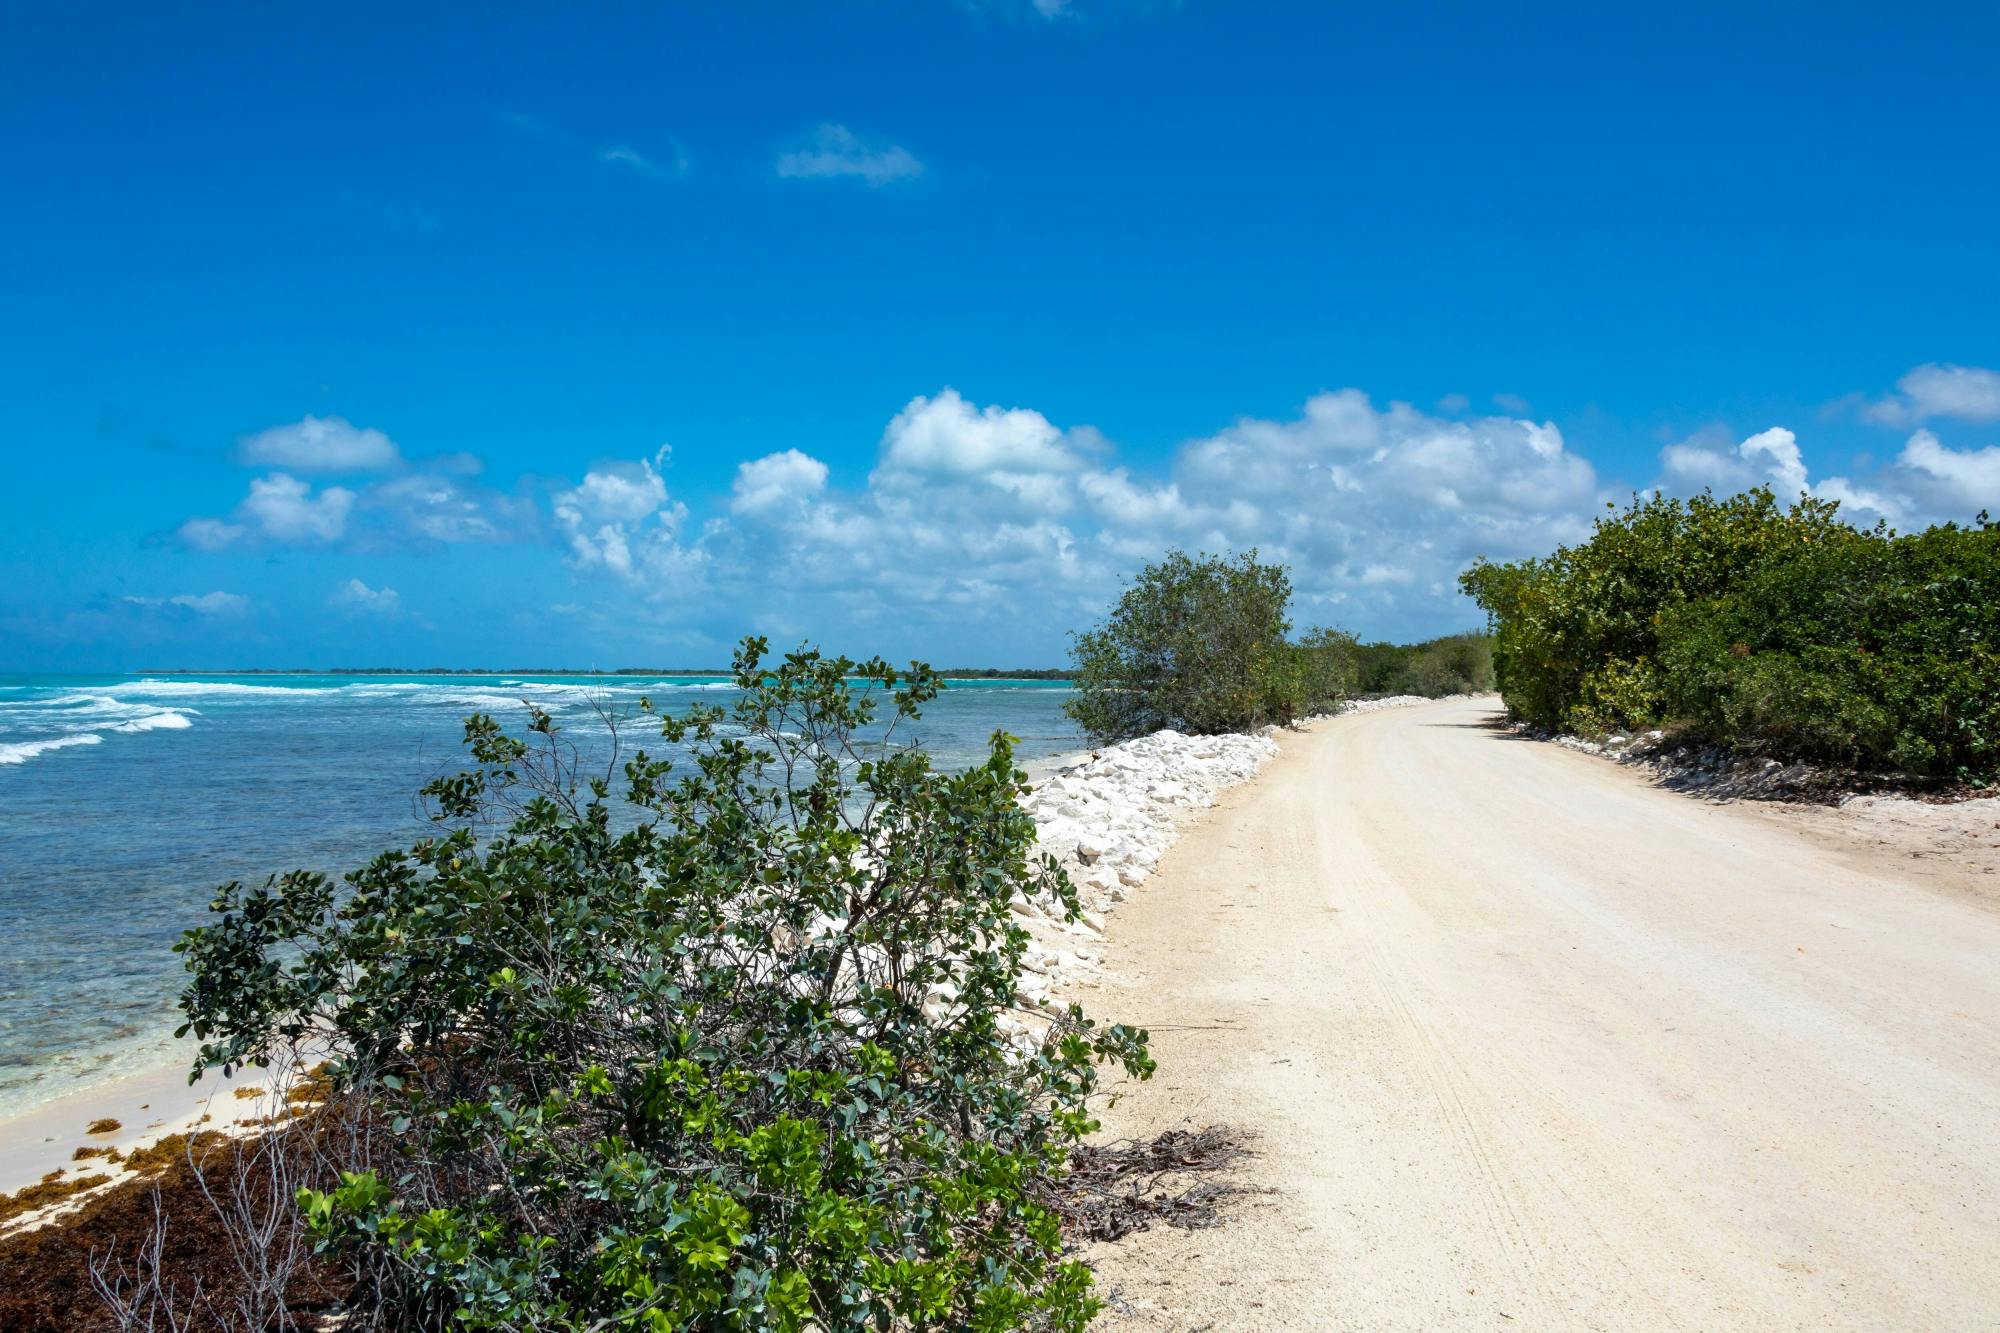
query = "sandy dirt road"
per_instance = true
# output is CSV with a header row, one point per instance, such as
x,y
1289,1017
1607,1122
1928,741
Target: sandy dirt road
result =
x,y
1526,1043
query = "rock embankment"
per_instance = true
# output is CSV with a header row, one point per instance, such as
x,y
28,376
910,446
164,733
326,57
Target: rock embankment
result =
x,y
1112,814
1109,816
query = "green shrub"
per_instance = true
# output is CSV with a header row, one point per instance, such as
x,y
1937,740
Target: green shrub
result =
x,y
1196,645
1875,652
1780,632
742,1065
1594,610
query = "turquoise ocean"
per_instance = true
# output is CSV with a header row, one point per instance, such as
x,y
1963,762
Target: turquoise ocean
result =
x,y
124,801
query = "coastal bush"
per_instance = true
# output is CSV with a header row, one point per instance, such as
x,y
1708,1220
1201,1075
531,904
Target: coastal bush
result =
x,y
1779,631
750,1062
1197,644
1877,651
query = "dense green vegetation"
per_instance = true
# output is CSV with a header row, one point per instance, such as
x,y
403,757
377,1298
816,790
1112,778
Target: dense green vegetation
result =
x,y
1199,644
1777,630
744,1066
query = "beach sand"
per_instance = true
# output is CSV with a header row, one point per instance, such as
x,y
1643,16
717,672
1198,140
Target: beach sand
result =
x,y
148,1106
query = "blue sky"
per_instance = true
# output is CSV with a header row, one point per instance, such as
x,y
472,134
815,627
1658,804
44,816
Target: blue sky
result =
x,y
507,335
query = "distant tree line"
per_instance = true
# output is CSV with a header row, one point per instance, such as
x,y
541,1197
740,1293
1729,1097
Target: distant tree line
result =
x,y
1455,664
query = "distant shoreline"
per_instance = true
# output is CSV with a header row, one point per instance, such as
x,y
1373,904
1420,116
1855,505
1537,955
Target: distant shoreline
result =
x,y
958,673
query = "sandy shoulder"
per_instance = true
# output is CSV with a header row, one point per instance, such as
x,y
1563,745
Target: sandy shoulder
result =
x,y
1525,1042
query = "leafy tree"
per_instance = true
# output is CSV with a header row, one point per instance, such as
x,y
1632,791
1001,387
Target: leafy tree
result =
x,y
753,1061
1197,644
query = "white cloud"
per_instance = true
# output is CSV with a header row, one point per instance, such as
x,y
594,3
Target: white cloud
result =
x,y
279,508
360,597
1965,393
1361,501
421,508
203,604
210,534
1965,480
617,492
947,435
1777,451
1928,482
833,151
626,156
1770,457
996,529
619,518
994,520
776,480
320,444
284,509
427,508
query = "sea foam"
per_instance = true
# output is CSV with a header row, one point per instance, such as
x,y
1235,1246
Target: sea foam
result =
x,y
20,752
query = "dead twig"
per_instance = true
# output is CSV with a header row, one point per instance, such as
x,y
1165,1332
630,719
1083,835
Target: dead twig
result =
x,y
1116,1189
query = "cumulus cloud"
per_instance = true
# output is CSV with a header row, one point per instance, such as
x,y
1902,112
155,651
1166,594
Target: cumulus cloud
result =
x,y
1928,482
775,481
320,444
948,435
994,516
1710,461
427,502
201,604
284,509
1963,393
1964,480
1362,501
833,151
279,508
210,534
619,518
358,596
995,528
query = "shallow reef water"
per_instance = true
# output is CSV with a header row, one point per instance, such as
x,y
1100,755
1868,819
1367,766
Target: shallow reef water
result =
x,y
124,801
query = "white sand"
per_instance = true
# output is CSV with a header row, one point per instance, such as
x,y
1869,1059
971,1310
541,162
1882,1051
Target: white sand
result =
x,y
148,1106
1525,1042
